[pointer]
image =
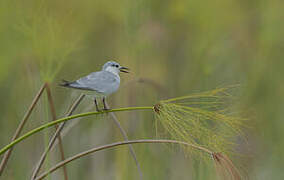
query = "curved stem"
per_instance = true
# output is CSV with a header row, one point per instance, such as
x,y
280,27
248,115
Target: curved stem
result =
x,y
53,113
21,126
108,146
55,135
124,134
28,134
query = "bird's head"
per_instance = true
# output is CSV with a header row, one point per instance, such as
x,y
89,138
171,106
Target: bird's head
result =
x,y
114,67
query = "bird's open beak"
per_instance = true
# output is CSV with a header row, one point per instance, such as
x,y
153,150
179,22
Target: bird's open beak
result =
x,y
124,69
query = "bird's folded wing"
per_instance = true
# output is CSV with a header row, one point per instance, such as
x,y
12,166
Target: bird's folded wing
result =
x,y
101,81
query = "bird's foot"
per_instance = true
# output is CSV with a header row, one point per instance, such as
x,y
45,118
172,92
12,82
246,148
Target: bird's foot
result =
x,y
99,110
106,109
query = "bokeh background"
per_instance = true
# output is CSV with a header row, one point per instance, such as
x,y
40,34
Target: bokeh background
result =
x,y
175,47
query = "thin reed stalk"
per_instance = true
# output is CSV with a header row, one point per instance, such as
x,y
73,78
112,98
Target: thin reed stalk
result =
x,y
53,113
108,146
66,129
20,127
225,168
55,135
124,134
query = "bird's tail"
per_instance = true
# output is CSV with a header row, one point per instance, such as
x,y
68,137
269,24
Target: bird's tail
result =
x,y
65,83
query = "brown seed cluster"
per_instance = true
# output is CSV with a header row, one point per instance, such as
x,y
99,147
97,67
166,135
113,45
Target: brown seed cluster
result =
x,y
157,108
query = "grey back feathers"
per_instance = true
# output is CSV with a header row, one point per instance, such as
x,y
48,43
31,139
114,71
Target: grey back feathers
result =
x,y
102,82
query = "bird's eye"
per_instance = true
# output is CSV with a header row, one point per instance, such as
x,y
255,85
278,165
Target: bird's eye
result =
x,y
116,66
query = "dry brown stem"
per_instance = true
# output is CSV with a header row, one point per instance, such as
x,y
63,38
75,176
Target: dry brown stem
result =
x,y
20,127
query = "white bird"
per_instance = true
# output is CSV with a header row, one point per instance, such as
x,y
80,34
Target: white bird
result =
x,y
101,83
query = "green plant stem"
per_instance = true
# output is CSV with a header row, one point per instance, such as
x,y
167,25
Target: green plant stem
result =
x,y
20,127
53,113
28,134
108,146
55,135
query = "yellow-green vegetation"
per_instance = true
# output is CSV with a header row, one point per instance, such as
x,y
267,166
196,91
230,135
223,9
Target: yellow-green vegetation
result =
x,y
203,119
178,47
51,43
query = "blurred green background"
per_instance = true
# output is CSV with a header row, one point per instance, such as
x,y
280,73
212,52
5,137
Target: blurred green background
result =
x,y
177,47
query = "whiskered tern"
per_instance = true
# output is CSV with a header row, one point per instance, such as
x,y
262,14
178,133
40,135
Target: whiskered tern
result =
x,y
101,83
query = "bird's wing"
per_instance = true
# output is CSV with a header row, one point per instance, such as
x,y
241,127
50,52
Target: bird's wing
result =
x,y
101,81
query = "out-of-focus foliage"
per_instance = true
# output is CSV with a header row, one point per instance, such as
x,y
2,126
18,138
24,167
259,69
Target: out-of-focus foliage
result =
x,y
178,47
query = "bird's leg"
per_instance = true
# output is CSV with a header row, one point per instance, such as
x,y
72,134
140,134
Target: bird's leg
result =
x,y
104,102
96,104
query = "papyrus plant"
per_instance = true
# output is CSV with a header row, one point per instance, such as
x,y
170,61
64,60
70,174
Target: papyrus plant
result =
x,y
205,119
